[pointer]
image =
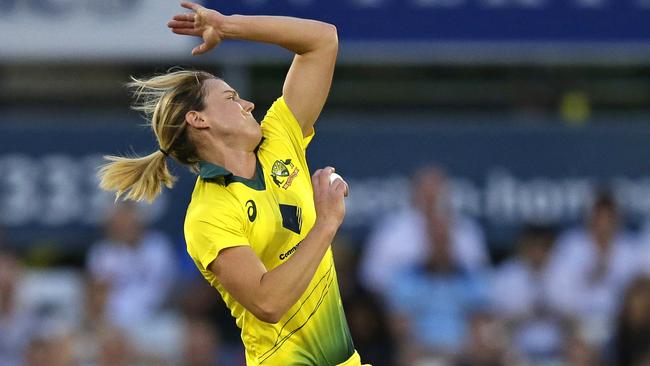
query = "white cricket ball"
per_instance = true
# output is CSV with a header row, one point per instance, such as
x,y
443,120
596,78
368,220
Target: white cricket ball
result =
x,y
334,177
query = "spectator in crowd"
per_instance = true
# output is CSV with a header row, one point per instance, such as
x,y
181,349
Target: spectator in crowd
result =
x,y
202,344
579,352
52,345
519,293
93,322
135,264
16,322
401,240
369,327
590,268
429,303
644,249
632,336
196,300
114,348
486,344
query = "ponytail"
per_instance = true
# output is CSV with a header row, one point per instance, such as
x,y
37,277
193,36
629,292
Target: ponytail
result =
x,y
164,100
138,178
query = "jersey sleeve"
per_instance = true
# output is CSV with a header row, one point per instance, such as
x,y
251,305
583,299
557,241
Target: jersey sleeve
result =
x,y
280,124
208,233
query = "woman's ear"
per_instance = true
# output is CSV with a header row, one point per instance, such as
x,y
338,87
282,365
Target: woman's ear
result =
x,y
195,119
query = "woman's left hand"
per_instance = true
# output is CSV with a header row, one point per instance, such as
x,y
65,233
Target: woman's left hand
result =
x,y
202,22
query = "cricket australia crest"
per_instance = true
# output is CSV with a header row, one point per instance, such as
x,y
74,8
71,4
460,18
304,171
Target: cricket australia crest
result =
x,y
283,173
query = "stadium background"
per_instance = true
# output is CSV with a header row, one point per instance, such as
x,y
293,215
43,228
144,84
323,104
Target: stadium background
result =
x,y
529,105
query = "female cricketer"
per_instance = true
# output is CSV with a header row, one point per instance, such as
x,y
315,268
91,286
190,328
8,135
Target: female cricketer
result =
x,y
258,227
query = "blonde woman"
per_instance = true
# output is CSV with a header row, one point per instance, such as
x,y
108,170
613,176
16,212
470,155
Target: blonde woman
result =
x,y
258,227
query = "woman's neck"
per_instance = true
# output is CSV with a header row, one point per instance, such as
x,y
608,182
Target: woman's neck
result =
x,y
240,163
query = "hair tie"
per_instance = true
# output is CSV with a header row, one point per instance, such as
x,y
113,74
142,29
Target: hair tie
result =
x,y
164,152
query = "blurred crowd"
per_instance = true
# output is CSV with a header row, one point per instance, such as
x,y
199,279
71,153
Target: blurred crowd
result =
x,y
579,296
423,290
134,303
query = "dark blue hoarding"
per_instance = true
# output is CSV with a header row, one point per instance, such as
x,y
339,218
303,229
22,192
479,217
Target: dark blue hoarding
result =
x,y
466,20
503,175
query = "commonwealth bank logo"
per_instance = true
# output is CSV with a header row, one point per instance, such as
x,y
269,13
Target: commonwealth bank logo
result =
x,y
283,173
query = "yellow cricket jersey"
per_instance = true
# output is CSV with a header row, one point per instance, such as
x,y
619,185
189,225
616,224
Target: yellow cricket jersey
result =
x,y
272,213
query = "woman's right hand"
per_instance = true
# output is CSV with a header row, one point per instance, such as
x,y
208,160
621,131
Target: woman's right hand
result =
x,y
202,22
328,198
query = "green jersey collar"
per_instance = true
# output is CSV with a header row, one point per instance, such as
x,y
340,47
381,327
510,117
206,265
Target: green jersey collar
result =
x,y
209,171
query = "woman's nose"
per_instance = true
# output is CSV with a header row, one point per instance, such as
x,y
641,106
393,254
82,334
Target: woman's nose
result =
x,y
249,106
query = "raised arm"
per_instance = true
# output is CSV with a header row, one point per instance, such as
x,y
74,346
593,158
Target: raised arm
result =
x,y
315,44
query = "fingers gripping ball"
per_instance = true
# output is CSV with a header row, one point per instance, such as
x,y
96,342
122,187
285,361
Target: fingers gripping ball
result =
x,y
334,177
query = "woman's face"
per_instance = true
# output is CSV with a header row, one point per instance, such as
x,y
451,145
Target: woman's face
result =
x,y
229,116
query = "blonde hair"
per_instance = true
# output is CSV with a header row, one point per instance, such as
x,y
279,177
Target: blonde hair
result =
x,y
165,100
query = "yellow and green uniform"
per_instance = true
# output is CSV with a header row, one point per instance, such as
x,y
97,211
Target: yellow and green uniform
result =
x,y
272,213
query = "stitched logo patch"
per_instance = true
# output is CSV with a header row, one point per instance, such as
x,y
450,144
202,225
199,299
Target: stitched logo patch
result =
x,y
283,173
